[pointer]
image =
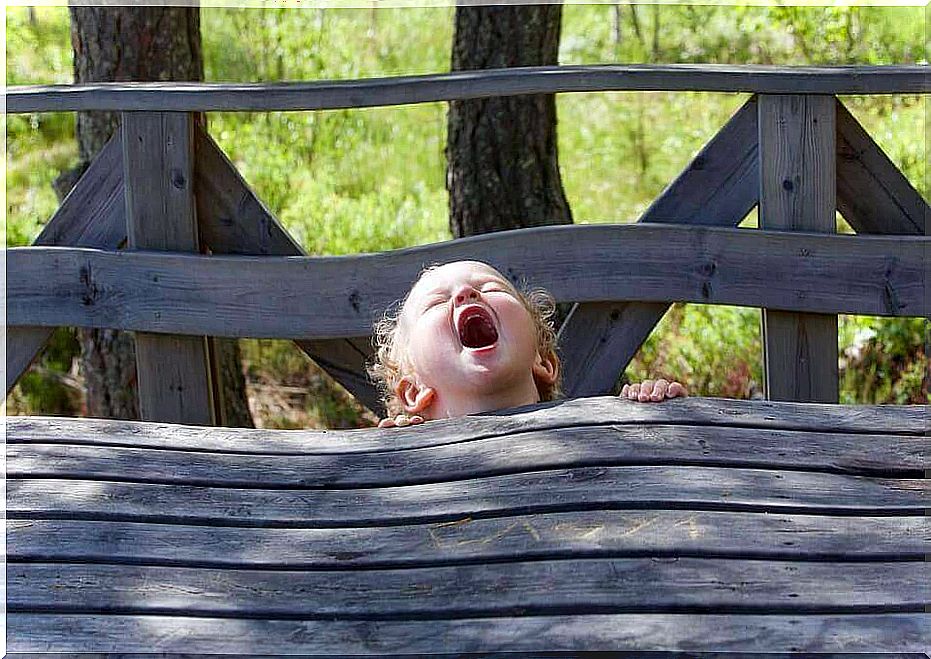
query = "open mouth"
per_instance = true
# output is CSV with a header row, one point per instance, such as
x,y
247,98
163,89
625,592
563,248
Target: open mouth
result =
x,y
476,328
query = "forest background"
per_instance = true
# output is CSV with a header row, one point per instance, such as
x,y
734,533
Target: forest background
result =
x,y
370,180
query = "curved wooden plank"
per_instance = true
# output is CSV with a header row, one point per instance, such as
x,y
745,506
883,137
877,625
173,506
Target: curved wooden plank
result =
x,y
585,534
623,585
605,410
640,632
332,297
564,448
506,655
460,85
594,488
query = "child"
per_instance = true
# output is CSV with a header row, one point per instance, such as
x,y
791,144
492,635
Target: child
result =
x,y
467,341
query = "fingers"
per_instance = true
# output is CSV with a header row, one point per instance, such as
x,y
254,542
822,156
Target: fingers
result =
x,y
646,391
676,390
653,390
400,421
659,390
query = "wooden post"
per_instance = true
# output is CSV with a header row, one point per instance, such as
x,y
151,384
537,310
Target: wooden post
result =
x,y
158,155
797,193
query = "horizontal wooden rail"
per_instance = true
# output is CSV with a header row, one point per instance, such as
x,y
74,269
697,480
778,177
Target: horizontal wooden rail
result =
x,y
330,297
401,90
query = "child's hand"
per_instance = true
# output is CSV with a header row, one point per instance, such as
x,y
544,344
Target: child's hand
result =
x,y
400,421
653,391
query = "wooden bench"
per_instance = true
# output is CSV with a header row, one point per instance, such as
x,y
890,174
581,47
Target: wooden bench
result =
x,y
594,523
695,525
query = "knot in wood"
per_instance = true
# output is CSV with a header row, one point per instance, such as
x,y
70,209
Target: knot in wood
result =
x,y
91,292
177,179
355,300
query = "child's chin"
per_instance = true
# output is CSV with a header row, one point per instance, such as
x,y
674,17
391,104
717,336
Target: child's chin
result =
x,y
477,373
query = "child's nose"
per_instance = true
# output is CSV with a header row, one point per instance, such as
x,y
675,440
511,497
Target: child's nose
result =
x,y
466,294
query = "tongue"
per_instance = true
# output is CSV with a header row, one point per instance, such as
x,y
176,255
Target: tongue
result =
x,y
477,332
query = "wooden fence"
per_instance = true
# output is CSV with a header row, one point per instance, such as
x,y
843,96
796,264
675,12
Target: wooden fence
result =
x,y
113,255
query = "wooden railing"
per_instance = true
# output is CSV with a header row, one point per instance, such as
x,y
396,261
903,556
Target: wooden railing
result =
x,y
162,186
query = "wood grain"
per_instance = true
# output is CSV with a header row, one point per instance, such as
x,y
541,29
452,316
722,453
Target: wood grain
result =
x,y
719,187
335,297
31,632
603,411
92,215
602,517
579,534
158,155
377,92
232,220
797,193
557,490
548,587
872,194
574,447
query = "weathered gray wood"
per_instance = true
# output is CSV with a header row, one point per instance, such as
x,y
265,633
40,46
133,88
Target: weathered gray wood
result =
x,y
872,194
641,632
492,655
92,215
621,585
797,192
590,488
598,339
332,297
721,183
158,154
232,220
563,448
604,533
870,419
719,187
200,97
592,540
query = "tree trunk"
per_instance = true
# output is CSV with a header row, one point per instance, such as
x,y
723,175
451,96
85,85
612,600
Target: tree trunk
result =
x,y
114,44
502,165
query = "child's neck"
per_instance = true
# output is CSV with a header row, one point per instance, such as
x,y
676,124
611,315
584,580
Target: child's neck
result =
x,y
450,406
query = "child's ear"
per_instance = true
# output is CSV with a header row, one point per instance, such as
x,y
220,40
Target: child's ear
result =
x,y
546,368
414,397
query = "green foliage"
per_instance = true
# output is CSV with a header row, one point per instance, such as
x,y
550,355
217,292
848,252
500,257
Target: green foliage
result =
x,y
885,360
714,350
50,387
369,180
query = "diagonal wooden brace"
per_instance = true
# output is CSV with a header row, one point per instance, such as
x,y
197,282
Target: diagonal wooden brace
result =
x,y
92,215
718,188
872,194
232,220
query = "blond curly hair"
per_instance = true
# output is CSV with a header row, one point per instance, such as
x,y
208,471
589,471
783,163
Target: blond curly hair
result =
x,y
391,364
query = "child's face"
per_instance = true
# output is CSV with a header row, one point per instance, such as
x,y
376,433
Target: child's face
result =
x,y
468,337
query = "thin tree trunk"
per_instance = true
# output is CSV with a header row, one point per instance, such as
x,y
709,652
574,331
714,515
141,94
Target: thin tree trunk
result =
x,y
134,44
502,165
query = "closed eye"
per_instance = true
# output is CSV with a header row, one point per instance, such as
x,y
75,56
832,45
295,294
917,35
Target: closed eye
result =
x,y
494,287
434,301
